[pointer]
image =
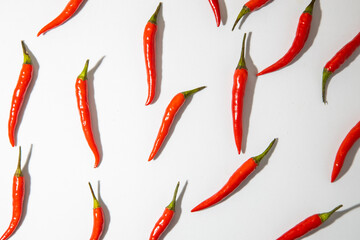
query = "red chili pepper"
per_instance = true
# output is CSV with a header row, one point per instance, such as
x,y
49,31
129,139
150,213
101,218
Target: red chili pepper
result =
x,y
18,193
344,148
302,34
19,93
149,52
249,7
238,91
339,59
216,9
98,213
81,91
165,218
169,116
307,225
67,13
234,181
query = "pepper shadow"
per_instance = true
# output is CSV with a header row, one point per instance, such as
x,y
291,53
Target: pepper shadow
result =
x,y
249,92
92,106
243,19
223,11
106,211
174,123
177,214
36,67
331,220
25,171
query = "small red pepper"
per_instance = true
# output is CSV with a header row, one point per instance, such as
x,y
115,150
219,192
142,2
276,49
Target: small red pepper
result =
x,y
19,93
18,193
249,7
338,60
168,118
81,91
165,218
344,148
149,52
216,9
234,181
98,213
301,36
238,91
67,13
307,225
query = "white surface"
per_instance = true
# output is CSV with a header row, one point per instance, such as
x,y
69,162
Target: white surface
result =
x,y
292,184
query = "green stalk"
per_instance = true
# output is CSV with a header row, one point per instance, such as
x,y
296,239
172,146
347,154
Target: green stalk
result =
x,y
153,18
191,92
242,63
171,206
258,158
18,172
325,216
243,11
83,74
27,59
310,7
326,75
96,202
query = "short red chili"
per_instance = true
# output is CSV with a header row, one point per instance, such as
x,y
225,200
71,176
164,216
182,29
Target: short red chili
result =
x,y
67,13
168,118
165,218
19,93
234,181
216,9
339,58
307,225
301,36
149,52
98,213
18,193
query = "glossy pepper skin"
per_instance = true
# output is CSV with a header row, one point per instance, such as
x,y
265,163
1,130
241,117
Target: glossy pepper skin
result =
x,y
216,9
98,213
168,118
238,91
81,91
165,218
248,7
149,52
339,58
344,148
234,181
307,225
18,193
301,36
19,94
67,13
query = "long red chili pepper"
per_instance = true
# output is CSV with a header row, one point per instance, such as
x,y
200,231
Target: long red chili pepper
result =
x,y
18,193
307,225
249,7
81,91
168,118
344,148
165,218
238,91
234,181
149,52
338,60
98,213
216,9
302,34
19,93
67,13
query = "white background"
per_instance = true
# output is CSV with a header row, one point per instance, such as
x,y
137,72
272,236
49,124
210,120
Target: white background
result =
x,y
289,185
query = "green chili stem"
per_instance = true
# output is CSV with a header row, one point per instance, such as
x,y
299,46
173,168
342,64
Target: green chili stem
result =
x,y
18,172
96,202
27,59
258,158
325,216
242,63
326,75
310,7
153,18
243,11
191,92
171,206
83,74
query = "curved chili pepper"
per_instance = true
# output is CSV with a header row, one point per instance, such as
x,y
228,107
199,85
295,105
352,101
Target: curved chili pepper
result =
x,y
216,9
301,36
344,148
19,93
18,193
234,181
307,225
238,91
98,213
168,118
67,13
165,218
149,52
338,60
81,91
249,7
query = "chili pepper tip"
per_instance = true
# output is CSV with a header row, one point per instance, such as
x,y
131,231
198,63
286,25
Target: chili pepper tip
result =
x,y
243,11
258,158
191,92
171,206
326,75
325,216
